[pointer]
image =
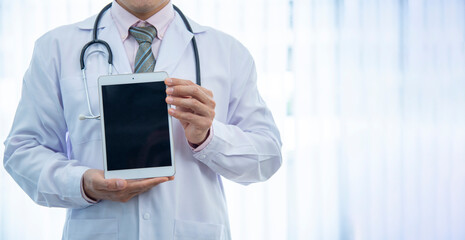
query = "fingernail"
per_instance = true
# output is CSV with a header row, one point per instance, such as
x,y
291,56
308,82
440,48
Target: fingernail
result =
x,y
119,184
169,80
169,90
169,99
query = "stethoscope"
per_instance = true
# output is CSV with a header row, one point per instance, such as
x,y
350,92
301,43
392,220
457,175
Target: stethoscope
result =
x,y
96,41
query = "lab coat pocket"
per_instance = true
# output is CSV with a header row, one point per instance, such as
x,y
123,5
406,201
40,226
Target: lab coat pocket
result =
x,y
95,229
189,230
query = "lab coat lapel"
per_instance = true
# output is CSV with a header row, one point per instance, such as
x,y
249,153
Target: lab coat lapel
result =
x,y
111,35
173,46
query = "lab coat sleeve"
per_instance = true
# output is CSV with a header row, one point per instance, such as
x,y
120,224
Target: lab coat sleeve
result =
x,y
35,150
246,148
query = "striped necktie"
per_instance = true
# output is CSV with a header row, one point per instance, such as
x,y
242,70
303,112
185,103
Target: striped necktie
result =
x,y
145,61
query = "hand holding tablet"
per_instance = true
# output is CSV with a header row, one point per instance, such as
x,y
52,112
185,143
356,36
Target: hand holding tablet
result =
x,y
97,187
195,108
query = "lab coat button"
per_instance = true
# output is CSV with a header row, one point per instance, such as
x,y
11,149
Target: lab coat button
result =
x,y
146,216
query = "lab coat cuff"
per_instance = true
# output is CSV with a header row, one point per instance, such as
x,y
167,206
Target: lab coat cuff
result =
x,y
215,146
204,151
76,175
204,144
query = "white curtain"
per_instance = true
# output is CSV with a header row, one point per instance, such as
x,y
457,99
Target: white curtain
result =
x,y
369,96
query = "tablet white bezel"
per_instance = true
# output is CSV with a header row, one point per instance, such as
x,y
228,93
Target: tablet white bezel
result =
x,y
136,173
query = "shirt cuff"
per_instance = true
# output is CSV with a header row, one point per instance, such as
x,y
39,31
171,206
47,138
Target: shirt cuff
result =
x,y
83,193
198,148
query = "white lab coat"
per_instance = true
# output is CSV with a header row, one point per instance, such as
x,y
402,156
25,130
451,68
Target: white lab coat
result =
x,y
49,148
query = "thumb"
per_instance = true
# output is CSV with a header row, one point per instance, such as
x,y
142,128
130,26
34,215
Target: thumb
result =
x,y
115,184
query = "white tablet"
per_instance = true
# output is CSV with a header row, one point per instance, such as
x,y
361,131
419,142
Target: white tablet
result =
x,y
136,128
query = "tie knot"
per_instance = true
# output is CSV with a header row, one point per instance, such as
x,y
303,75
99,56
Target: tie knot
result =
x,y
143,34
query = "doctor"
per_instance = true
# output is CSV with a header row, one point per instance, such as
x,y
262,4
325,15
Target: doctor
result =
x,y
223,128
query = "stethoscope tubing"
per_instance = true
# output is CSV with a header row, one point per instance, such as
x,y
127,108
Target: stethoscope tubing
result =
x,y
194,45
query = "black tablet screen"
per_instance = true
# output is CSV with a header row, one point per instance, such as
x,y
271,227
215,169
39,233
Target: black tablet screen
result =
x,y
136,125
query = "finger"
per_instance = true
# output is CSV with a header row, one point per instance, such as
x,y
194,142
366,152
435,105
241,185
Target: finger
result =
x,y
138,186
176,81
133,181
193,91
200,122
184,109
141,189
192,104
112,185
154,181
157,182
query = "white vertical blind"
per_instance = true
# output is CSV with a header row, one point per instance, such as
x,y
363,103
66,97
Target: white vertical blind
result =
x,y
380,99
369,96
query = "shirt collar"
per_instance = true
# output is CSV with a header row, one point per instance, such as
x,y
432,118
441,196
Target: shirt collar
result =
x,y
124,20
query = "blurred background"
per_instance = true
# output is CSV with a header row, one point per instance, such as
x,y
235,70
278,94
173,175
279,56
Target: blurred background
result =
x,y
369,96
